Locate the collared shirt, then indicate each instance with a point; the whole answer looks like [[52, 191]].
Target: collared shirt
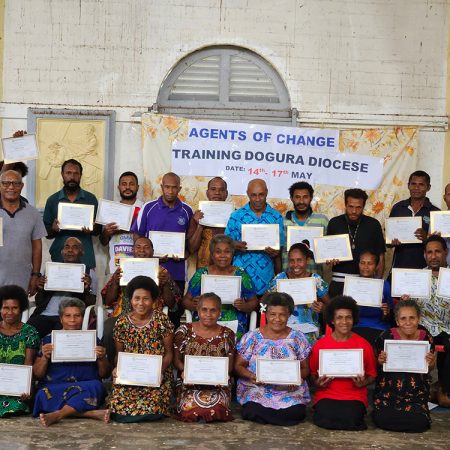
[[410, 256], [51, 213], [313, 220], [157, 216], [259, 264]]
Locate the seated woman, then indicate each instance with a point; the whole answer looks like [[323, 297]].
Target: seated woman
[[222, 252], [373, 320], [401, 399], [204, 338], [18, 342], [305, 318], [145, 330], [70, 388], [340, 403], [268, 403]]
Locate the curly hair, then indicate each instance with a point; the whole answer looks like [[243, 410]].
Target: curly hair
[[279, 299], [14, 292], [341, 302]]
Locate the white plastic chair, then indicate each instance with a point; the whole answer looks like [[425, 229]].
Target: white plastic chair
[[166, 310], [253, 318], [27, 313], [100, 313], [188, 316]]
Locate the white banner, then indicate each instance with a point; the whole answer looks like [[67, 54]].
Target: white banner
[[281, 155]]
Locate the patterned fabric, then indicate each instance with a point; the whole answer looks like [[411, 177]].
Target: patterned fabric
[[229, 312], [12, 351], [258, 264], [254, 345], [148, 339], [207, 402]]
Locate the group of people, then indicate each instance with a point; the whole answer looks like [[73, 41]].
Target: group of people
[[137, 323]]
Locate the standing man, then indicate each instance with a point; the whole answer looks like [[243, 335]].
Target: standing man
[[121, 242], [22, 233], [301, 194], [410, 256], [71, 172], [260, 265], [201, 235], [364, 233], [447, 202]]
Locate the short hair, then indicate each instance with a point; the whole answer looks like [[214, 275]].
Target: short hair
[[341, 302], [221, 239], [355, 193], [421, 174], [129, 174], [20, 167], [279, 299], [143, 282], [171, 174], [435, 238], [301, 185], [209, 295], [303, 247], [71, 302], [14, 292], [15, 172], [73, 162], [369, 251], [143, 237], [218, 178], [406, 304]]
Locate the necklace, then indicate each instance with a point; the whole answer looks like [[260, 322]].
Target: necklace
[[353, 236]]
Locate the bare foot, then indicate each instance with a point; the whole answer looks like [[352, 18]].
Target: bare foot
[[48, 419], [99, 414]]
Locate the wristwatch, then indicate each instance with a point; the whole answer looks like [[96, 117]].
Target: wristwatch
[[36, 274]]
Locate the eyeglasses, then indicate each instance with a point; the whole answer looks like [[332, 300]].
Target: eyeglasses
[[15, 184]]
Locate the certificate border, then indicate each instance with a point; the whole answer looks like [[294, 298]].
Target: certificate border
[[30, 375], [75, 205], [369, 280], [433, 215], [179, 255], [392, 219], [124, 260], [389, 342], [307, 279], [1, 231], [290, 228], [127, 382], [343, 236], [93, 333], [223, 382], [214, 225], [298, 382], [247, 226], [393, 284], [63, 288], [206, 275], [130, 214], [9, 161], [340, 375], [438, 288]]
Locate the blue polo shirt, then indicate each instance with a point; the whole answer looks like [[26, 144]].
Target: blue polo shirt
[[157, 216]]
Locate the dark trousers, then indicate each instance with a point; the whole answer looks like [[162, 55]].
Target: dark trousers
[[340, 414], [335, 288], [108, 339], [369, 334], [392, 420], [283, 417], [443, 361], [44, 324]]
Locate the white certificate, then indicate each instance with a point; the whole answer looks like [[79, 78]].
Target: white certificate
[[137, 369], [15, 379], [258, 237], [168, 243], [440, 222], [133, 267], [75, 216], [20, 149], [341, 363], [366, 291], [413, 282], [215, 214], [64, 277], [208, 370], [227, 287], [74, 345], [403, 229], [302, 290], [298, 234], [278, 371], [231, 324], [443, 287], [332, 247], [1, 231], [406, 356], [115, 212]]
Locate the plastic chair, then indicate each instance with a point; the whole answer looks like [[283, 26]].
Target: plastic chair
[[27, 313], [100, 313], [253, 319], [188, 316]]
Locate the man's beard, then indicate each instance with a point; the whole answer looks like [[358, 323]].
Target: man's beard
[[71, 186], [129, 196]]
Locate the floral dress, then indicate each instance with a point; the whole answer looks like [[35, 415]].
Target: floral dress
[[12, 351], [131, 401], [207, 402]]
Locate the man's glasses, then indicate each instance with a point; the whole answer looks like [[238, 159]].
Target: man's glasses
[[15, 184]]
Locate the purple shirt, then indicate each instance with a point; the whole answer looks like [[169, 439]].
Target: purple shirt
[[157, 216]]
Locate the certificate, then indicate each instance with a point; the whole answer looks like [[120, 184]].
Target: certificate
[[278, 371], [74, 345], [168, 243], [115, 212], [413, 282], [133, 267], [258, 237], [136, 369], [298, 234], [443, 286], [403, 229], [15, 379], [64, 277], [406, 356], [227, 287], [208, 370], [20, 148], [215, 214], [332, 247], [302, 290], [366, 291], [341, 363], [440, 222], [1, 231], [75, 216]]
